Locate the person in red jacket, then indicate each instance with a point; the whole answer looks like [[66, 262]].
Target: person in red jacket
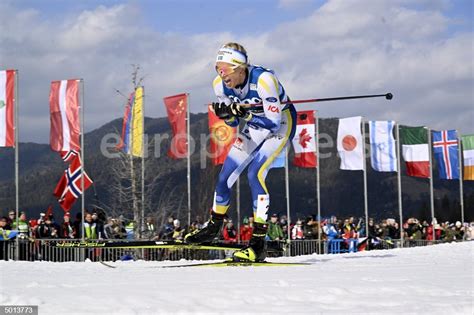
[[229, 233], [245, 232]]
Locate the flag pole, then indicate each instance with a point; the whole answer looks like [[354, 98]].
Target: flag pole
[[399, 182], [189, 159], [431, 184], [17, 196], [366, 202], [142, 225], [81, 81], [237, 197], [318, 191], [461, 188], [287, 192]]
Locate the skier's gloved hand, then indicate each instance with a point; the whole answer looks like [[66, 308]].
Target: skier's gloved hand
[[239, 111], [221, 110]]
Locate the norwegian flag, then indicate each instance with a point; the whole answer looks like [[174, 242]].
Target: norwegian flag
[[445, 146], [304, 141], [69, 187]]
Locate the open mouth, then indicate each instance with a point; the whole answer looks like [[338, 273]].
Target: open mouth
[[227, 81]]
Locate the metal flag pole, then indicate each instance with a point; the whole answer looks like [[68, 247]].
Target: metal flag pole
[[81, 104], [17, 196], [142, 225], [399, 182], [287, 192], [461, 188], [366, 202], [431, 184], [318, 190], [237, 201], [189, 159]]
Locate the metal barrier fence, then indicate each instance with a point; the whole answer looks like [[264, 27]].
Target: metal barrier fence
[[43, 249]]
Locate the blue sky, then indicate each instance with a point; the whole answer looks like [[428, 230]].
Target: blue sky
[[420, 50]]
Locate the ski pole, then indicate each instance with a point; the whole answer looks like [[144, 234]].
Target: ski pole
[[387, 96]]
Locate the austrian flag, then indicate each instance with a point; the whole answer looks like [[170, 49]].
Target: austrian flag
[[69, 187], [64, 110], [304, 141], [7, 114]]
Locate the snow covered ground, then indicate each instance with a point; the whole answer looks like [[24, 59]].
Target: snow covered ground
[[424, 280]]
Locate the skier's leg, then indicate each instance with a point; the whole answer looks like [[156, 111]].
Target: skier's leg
[[239, 156], [273, 146]]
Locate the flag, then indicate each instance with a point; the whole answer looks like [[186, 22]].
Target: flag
[[304, 142], [124, 144], [64, 110], [132, 126], [445, 147], [7, 110], [68, 156], [415, 151], [137, 123], [69, 187], [176, 107], [222, 137], [383, 157], [468, 153], [349, 143]]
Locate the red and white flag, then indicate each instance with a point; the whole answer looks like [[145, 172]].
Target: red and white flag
[[64, 110], [7, 113], [349, 143], [304, 141], [69, 187]]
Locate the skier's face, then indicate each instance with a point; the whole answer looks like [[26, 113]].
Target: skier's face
[[230, 74]]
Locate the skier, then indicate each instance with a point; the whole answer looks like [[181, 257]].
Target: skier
[[269, 125]]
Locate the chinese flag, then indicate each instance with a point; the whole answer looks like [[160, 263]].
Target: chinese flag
[[222, 137], [176, 107]]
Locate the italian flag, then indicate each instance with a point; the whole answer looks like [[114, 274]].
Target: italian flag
[[416, 150], [468, 154], [7, 114]]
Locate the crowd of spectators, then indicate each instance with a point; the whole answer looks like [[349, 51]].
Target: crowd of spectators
[[97, 226]]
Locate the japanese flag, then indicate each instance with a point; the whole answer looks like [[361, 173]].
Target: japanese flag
[[349, 143]]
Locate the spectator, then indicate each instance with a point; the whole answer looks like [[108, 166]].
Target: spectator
[[33, 225], [274, 232], [150, 229], [67, 229], [245, 232], [178, 231], [10, 219], [297, 232], [229, 233], [47, 229], [310, 228], [130, 230], [168, 229], [99, 225], [23, 230], [284, 226], [77, 225], [90, 227]]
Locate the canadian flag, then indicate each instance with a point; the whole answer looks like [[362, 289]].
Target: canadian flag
[[304, 141], [349, 143], [69, 187], [7, 114], [64, 110]]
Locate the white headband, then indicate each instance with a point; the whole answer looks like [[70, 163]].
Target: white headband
[[231, 56]]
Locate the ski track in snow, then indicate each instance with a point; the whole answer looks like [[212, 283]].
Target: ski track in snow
[[424, 280]]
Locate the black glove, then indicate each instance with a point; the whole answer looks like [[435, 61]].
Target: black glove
[[238, 111], [221, 110]]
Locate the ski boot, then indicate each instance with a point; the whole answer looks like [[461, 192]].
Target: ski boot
[[208, 233], [256, 251]]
